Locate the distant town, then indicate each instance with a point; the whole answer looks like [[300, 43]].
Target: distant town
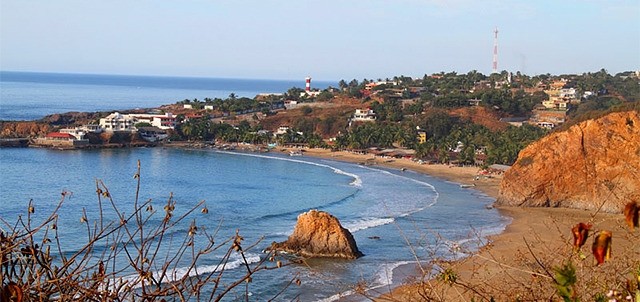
[[467, 118]]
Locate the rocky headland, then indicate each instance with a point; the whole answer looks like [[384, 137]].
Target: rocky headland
[[319, 234], [594, 165]]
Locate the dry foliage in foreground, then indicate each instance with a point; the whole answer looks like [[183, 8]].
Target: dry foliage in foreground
[[136, 257], [554, 266]]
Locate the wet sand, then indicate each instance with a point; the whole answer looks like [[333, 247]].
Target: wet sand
[[518, 262]]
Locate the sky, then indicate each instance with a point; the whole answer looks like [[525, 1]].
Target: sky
[[327, 40]]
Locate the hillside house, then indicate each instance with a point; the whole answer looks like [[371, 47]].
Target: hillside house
[[281, 130], [474, 102], [364, 115], [548, 118], [422, 137]]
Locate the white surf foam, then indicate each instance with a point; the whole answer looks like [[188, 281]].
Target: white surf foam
[[178, 273], [384, 277], [366, 223], [422, 183], [357, 181]]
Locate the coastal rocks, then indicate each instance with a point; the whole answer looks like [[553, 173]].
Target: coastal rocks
[[21, 129], [319, 234], [592, 165]]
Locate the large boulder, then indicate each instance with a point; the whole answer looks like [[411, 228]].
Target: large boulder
[[319, 234], [593, 165]]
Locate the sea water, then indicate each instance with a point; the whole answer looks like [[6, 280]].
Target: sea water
[[31, 95], [396, 217]]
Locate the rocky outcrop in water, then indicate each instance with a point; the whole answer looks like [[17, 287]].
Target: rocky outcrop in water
[[319, 234], [594, 164]]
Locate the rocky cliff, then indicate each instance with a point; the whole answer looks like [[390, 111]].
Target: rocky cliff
[[319, 234], [23, 129], [593, 164]]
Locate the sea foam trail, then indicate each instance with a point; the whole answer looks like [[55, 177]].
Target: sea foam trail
[[422, 183], [383, 277], [366, 223], [357, 181], [175, 274]]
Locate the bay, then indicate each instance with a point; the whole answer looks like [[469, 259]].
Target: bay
[[413, 215], [396, 217]]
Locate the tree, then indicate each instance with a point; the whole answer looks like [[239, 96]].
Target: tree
[[343, 84], [324, 96], [142, 124], [306, 110]]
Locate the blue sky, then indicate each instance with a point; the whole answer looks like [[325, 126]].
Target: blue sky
[[328, 40]]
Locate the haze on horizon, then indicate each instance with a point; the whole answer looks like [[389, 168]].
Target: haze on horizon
[[329, 40]]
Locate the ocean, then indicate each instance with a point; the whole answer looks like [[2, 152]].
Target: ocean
[[33, 95], [396, 217]]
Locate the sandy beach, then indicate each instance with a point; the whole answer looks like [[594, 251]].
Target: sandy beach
[[520, 262]]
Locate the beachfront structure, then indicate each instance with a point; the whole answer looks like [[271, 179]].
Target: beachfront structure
[[364, 115], [126, 122], [80, 131], [62, 140], [152, 134], [117, 122], [76, 132]]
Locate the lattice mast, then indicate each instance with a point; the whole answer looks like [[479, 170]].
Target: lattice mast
[[495, 51]]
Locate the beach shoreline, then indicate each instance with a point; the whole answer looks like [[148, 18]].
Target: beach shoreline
[[514, 261]]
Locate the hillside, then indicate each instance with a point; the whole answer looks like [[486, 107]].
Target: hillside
[[594, 164], [481, 116]]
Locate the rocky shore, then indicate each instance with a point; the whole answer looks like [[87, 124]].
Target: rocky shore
[[508, 265]]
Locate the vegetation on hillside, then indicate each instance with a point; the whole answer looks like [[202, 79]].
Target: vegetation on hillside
[[441, 104]]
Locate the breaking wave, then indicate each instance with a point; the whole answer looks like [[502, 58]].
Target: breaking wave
[[171, 275]]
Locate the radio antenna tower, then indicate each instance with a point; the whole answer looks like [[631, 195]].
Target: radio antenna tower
[[495, 51]]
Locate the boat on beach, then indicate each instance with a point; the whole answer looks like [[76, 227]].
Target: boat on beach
[[295, 153]]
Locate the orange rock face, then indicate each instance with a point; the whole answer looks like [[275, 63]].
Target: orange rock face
[[319, 234], [594, 164]]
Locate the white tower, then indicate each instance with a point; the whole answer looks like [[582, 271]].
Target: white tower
[[495, 51]]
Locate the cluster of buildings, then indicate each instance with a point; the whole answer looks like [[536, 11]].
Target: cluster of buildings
[[151, 127], [553, 111]]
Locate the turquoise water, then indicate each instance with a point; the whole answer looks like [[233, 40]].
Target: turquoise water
[[261, 195]]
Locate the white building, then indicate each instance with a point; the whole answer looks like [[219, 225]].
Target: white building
[[364, 115], [282, 130], [117, 122], [162, 121], [80, 131], [126, 122]]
